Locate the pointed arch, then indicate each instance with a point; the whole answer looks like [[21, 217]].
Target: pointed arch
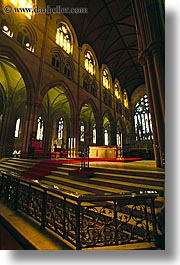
[[57, 58], [87, 48], [25, 34], [94, 108], [106, 78], [61, 83], [108, 128], [22, 68]]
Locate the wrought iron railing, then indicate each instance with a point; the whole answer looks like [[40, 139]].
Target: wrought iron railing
[[84, 220]]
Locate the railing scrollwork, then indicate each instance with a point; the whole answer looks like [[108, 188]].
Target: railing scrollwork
[[83, 220]]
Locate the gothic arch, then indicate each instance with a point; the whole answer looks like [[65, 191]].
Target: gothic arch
[[2, 96], [22, 68], [67, 92], [55, 20], [69, 61], [86, 47], [137, 94], [57, 50], [95, 110], [107, 114]]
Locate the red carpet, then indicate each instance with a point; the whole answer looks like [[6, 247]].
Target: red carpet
[[39, 170], [127, 159], [78, 160], [45, 167]]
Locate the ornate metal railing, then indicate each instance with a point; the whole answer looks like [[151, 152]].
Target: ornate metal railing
[[86, 220]]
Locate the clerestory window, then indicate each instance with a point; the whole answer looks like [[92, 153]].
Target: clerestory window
[[105, 79], [64, 38], [89, 63]]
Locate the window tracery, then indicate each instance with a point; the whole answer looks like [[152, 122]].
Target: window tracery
[[64, 38], [105, 79], [24, 38], [60, 129], [142, 120], [40, 129], [82, 130], [55, 61], [89, 63], [67, 70]]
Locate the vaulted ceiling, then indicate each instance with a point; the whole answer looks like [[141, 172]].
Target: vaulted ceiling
[[109, 28]]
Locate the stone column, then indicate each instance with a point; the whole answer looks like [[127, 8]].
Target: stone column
[[160, 74], [159, 121], [8, 125], [27, 127], [30, 128], [155, 138], [149, 23]]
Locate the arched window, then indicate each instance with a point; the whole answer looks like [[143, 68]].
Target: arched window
[[93, 89], [118, 139], [117, 91], [125, 99], [60, 129], [67, 71], [142, 120], [64, 38], [86, 84], [40, 129], [17, 128], [24, 4], [106, 137], [4, 26], [89, 63], [94, 134], [107, 97], [23, 37], [105, 79], [82, 129], [56, 61]]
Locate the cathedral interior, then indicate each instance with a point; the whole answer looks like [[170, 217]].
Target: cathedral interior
[[82, 111]]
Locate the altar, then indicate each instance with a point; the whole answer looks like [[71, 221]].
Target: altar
[[102, 151]]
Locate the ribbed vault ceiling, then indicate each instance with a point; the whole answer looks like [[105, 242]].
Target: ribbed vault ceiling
[[110, 29]]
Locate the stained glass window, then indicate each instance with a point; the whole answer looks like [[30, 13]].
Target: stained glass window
[[64, 38], [106, 136], [117, 91], [89, 63], [40, 129], [60, 129], [105, 79], [142, 120], [125, 99], [82, 127], [94, 134], [17, 128]]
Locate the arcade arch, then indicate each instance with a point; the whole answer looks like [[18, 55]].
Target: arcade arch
[[87, 127], [13, 96]]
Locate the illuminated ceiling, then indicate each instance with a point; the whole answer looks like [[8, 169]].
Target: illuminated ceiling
[[55, 100], [11, 79], [109, 28]]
